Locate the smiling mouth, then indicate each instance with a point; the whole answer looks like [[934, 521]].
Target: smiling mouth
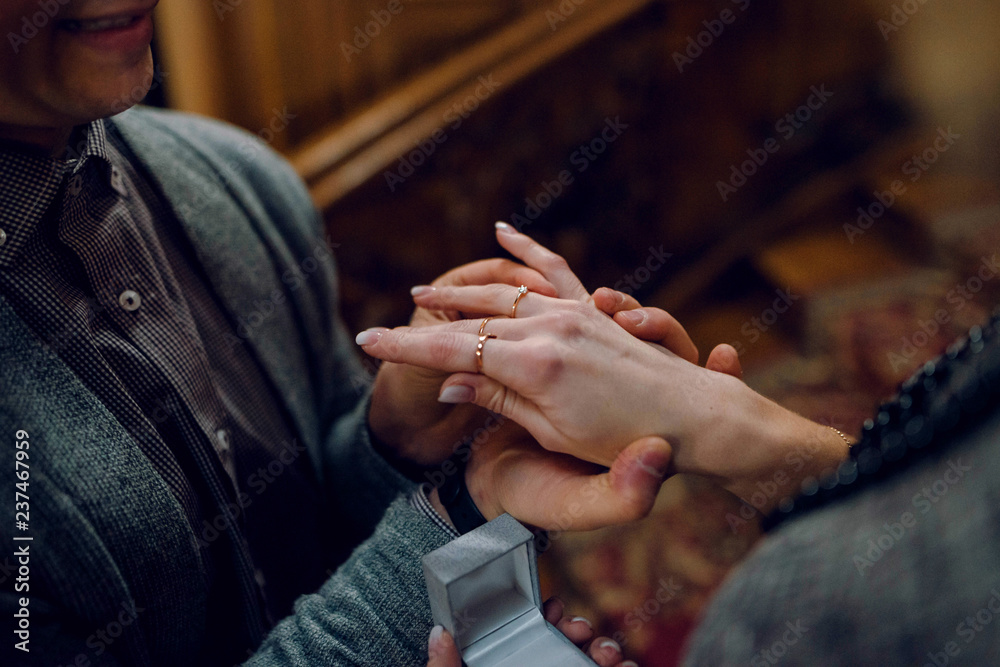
[[99, 25]]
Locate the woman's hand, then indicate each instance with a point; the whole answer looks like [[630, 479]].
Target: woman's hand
[[566, 372], [405, 413], [442, 651], [575, 378]]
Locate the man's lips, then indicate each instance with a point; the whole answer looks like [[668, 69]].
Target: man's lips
[[101, 24], [121, 33]]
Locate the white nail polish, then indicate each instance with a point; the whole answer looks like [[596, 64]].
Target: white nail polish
[[457, 394], [368, 337], [434, 641], [581, 619], [610, 643], [505, 228]]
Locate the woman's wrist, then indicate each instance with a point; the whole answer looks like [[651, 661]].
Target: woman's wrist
[[755, 448]]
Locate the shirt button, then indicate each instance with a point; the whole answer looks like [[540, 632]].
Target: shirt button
[[3, 237], [118, 182], [223, 437], [75, 185], [130, 300]]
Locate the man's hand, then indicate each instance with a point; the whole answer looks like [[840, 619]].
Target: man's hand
[[442, 651], [511, 474], [658, 326]]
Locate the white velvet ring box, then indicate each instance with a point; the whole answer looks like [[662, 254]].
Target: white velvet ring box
[[483, 589]]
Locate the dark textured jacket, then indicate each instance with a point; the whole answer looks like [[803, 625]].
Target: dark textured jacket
[[102, 522]]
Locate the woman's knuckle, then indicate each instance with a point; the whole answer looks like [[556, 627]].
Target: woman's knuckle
[[547, 363]]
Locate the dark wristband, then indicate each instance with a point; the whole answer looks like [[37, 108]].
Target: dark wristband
[[462, 510]]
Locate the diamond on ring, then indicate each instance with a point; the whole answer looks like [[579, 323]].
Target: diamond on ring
[[521, 291]]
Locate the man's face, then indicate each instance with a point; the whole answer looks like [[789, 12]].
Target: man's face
[[68, 62]]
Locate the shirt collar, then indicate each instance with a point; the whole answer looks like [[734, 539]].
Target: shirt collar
[[30, 181]]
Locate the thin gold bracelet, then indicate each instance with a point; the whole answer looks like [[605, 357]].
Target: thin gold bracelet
[[850, 445]]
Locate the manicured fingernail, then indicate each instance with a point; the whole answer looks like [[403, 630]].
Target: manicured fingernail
[[629, 663], [434, 643], [504, 228], [368, 337], [457, 393], [610, 643], [633, 317], [422, 290], [655, 463], [581, 619]]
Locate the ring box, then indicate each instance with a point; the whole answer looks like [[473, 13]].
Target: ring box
[[483, 589]]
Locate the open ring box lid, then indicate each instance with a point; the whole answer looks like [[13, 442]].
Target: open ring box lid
[[483, 589]]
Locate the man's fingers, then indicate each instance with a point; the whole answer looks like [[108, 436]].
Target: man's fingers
[[611, 301], [658, 326], [581, 501], [549, 264], [441, 649], [725, 359]]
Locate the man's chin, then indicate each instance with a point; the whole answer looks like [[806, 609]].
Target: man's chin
[[106, 98]]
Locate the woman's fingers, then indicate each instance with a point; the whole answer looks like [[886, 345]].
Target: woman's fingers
[[553, 609], [493, 299], [577, 629], [441, 649], [504, 271], [605, 652], [549, 264], [452, 348], [488, 393]]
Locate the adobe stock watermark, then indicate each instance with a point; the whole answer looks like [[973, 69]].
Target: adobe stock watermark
[[923, 502], [581, 159], [960, 295], [697, 44], [32, 23], [666, 592], [249, 150], [362, 39], [899, 17], [259, 482], [782, 482], [967, 630], [755, 327], [915, 168], [293, 279], [633, 281], [453, 118], [773, 654], [223, 7], [786, 127], [561, 13]]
